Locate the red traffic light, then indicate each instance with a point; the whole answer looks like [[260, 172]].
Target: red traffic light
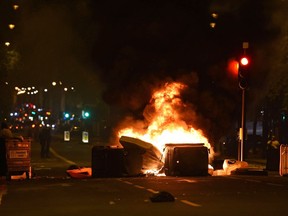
[[244, 61]]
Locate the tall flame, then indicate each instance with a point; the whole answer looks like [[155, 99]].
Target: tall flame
[[164, 124]]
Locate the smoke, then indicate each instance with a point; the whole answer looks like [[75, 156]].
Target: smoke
[[266, 33], [123, 51], [277, 63], [269, 72], [55, 46], [193, 107]]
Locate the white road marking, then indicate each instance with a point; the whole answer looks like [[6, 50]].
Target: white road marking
[[127, 182], [190, 203], [188, 180], [155, 192], [138, 186], [61, 157], [152, 191]]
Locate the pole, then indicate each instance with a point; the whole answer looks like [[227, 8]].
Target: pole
[[245, 46], [242, 125]]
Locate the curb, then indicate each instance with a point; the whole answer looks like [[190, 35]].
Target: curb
[[250, 171]]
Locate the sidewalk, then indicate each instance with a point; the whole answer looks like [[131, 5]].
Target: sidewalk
[[256, 166]]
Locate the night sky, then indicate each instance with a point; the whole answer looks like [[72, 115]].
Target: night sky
[[119, 51]]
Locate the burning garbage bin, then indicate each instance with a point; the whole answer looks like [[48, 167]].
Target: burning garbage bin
[[140, 156], [107, 161], [186, 160], [133, 161]]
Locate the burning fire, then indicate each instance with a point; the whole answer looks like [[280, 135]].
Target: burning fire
[[164, 123]]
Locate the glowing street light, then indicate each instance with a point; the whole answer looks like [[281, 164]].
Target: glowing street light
[[11, 26], [15, 7]]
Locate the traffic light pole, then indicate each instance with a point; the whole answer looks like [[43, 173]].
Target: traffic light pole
[[242, 131], [244, 62]]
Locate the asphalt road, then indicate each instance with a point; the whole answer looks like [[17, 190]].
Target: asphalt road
[[229, 195], [52, 192]]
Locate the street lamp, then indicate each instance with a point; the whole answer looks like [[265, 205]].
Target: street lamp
[[11, 26]]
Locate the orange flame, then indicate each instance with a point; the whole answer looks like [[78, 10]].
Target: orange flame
[[164, 122]]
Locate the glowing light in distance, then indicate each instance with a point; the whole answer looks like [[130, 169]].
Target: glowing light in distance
[[15, 7], [11, 26]]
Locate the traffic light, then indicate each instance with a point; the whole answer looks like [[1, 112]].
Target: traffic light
[[244, 61], [243, 71], [85, 114], [283, 115], [66, 115]]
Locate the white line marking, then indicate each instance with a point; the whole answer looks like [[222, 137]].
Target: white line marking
[[152, 191], [127, 182], [190, 203], [60, 157], [188, 180], [138, 186]]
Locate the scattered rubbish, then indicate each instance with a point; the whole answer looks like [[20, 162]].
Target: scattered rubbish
[[75, 171], [230, 165], [162, 196]]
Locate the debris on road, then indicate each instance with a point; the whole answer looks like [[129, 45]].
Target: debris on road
[[162, 196]]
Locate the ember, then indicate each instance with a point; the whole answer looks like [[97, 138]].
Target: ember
[[163, 121]]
